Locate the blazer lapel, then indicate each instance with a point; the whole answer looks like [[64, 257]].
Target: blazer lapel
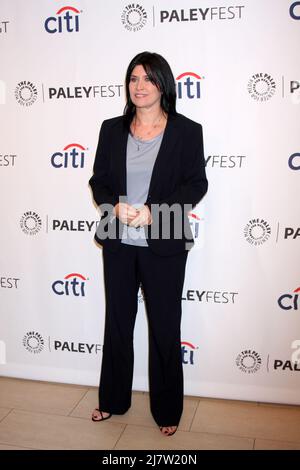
[[166, 148], [119, 154]]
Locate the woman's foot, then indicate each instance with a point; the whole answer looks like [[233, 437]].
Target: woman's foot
[[98, 415], [168, 430]]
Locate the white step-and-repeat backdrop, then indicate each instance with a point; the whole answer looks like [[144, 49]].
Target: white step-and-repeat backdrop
[[62, 69]]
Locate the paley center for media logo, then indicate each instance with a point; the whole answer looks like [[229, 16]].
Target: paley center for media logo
[[187, 353], [26, 93], [290, 301], [73, 155], [72, 285], [257, 231], [189, 85], [261, 87], [34, 343], [30, 223], [134, 17], [66, 20], [248, 361]]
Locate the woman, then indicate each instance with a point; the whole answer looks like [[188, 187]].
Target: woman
[[149, 171]]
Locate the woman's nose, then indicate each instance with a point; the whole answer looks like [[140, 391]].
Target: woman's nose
[[139, 85]]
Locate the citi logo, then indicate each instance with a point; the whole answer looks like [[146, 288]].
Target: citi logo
[[189, 85], [67, 19], [295, 10], [73, 156], [187, 352], [289, 301], [194, 220], [72, 284]]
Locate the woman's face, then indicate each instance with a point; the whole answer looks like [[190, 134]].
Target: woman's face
[[143, 93]]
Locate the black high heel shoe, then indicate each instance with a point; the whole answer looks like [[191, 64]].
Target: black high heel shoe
[[167, 433], [101, 414]]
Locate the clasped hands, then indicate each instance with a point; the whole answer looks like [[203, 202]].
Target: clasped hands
[[131, 216]]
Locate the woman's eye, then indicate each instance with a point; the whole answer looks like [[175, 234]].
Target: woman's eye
[[132, 79]]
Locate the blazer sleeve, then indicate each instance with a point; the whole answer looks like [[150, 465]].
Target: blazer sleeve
[[194, 183], [99, 182]]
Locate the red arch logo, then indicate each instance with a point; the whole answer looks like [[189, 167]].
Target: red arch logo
[[74, 145], [191, 74], [67, 8], [75, 275], [190, 345]]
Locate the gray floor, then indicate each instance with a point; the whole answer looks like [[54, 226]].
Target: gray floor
[[42, 415]]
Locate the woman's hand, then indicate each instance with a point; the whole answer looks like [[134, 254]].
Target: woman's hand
[[142, 218], [125, 212]]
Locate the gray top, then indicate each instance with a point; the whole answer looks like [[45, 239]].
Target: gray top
[[141, 156]]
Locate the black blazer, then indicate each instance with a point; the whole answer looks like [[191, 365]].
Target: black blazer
[[178, 177]]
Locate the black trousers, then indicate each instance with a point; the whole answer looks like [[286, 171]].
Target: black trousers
[[162, 278]]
